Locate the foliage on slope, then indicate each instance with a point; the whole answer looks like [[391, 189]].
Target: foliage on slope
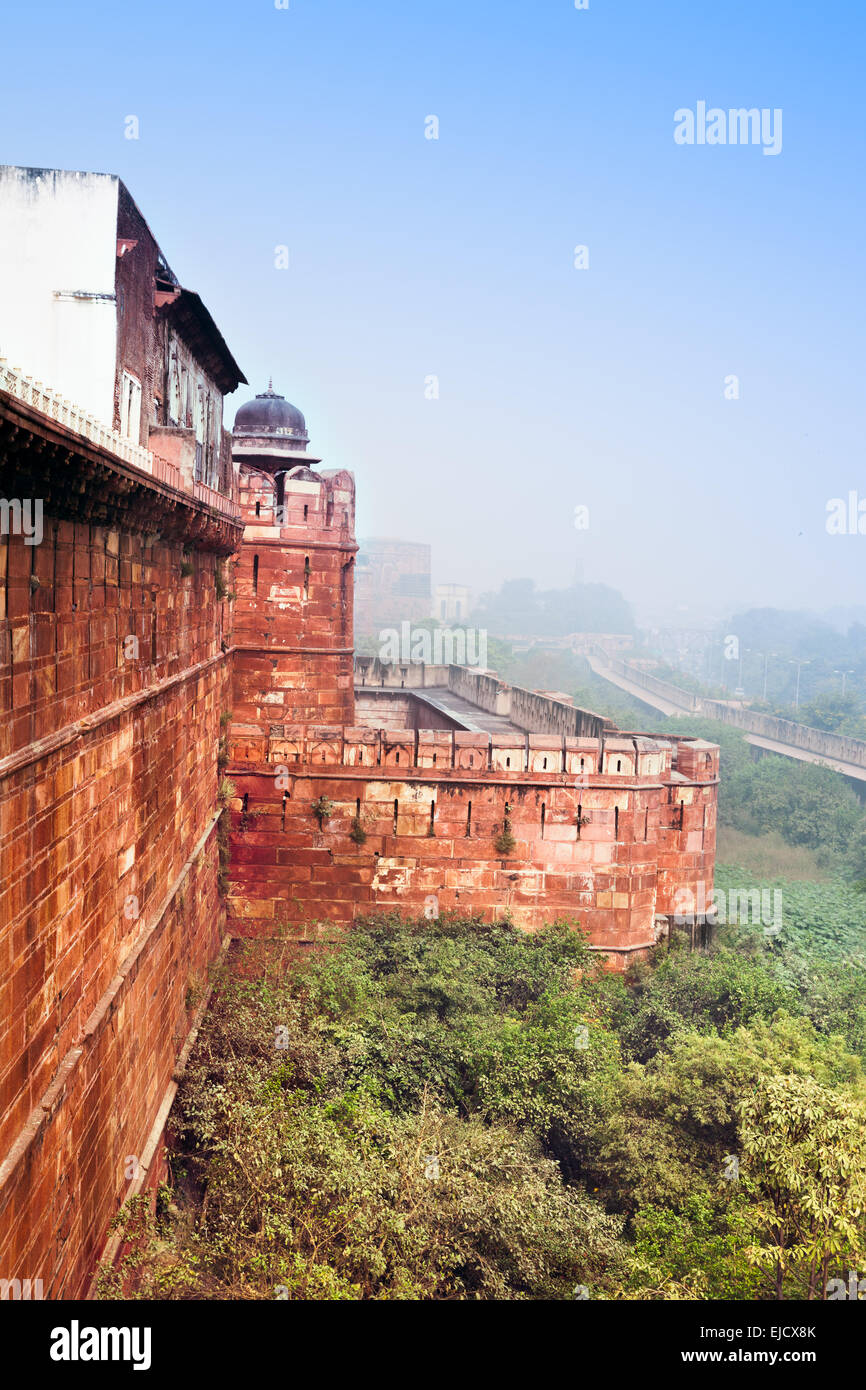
[[454, 1110]]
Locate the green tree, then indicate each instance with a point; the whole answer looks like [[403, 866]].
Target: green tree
[[804, 1154]]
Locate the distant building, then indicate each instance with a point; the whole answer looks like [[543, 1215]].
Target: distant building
[[452, 603], [392, 584], [92, 309]]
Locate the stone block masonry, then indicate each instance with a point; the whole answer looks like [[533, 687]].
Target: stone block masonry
[[605, 830], [293, 656], [114, 674], [492, 799]]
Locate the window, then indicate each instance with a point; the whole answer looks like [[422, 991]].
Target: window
[[174, 391], [130, 407]]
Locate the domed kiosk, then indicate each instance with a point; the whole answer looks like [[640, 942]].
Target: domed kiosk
[[271, 428]]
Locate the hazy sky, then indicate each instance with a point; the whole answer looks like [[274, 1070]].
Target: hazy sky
[[412, 257]]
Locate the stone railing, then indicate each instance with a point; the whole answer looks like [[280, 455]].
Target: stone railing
[[67, 414], [212, 498]]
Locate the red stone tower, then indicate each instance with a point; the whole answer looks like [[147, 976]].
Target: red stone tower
[[294, 574]]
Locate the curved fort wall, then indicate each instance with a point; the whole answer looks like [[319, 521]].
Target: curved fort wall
[[331, 820], [605, 830]]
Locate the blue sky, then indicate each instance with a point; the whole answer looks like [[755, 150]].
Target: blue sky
[[453, 257]]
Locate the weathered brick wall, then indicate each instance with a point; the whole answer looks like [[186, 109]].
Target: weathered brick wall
[[109, 912], [605, 831]]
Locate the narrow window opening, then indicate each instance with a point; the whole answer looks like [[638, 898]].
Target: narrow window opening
[[682, 809], [306, 576], [246, 802], [616, 822], [431, 830], [358, 807], [579, 819], [258, 509], [396, 811], [507, 762], [645, 823], [619, 764], [255, 574], [581, 764], [544, 765], [434, 759], [469, 819], [285, 800], [306, 509], [397, 759], [543, 814]]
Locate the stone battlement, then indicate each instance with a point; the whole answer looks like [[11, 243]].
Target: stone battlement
[[613, 759]]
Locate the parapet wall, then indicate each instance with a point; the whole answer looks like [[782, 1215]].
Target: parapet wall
[[414, 675], [331, 823], [527, 709]]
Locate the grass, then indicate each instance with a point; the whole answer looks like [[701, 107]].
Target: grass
[[767, 856]]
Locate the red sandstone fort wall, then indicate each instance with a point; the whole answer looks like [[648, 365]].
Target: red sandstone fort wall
[[605, 830], [293, 611], [109, 913]]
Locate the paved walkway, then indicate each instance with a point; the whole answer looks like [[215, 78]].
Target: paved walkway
[[466, 715]]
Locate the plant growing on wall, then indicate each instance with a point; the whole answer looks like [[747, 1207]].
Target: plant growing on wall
[[227, 792], [322, 809], [357, 832], [504, 842]]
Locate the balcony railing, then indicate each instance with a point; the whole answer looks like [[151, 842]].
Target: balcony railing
[[212, 498], [66, 413]]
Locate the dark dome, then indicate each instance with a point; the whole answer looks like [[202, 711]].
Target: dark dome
[[271, 414]]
